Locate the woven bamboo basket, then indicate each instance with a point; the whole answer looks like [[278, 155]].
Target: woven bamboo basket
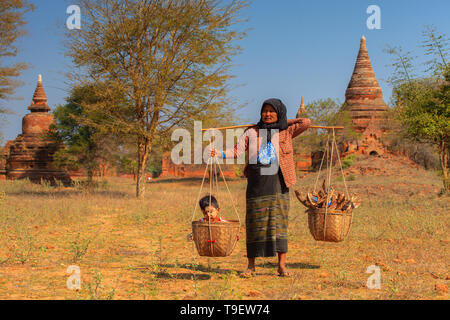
[[215, 239], [332, 227]]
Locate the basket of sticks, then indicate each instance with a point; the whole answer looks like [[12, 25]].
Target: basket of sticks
[[215, 239], [328, 223], [330, 213], [331, 226]]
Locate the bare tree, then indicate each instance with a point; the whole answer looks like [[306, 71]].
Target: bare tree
[[11, 28], [167, 60]]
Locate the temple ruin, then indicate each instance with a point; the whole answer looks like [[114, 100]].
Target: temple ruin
[[368, 111], [30, 155]]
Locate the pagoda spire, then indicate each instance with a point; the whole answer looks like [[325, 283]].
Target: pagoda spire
[[302, 110], [39, 103], [363, 96], [363, 76]]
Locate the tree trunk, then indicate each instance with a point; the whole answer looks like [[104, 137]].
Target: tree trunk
[[143, 152], [443, 155]]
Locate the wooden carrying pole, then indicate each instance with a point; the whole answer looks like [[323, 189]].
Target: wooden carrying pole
[[254, 125]]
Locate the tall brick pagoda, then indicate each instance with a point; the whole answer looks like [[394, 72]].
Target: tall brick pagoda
[[30, 155], [364, 101]]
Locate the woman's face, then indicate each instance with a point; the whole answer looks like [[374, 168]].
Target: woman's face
[[268, 114]]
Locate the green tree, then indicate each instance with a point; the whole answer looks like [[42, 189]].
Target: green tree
[[85, 145], [422, 104], [437, 46], [170, 59], [421, 152], [402, 64], [326, 112]]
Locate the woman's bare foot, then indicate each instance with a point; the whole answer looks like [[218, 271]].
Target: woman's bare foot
[[248, 273], [283, 272]]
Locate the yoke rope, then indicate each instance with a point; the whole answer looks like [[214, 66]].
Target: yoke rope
[[329, 186], [342, 171], [229, 192], [214, 178], [321, 164], [329, 168], [200, 192]]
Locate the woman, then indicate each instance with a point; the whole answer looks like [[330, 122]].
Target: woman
[[267, 195]]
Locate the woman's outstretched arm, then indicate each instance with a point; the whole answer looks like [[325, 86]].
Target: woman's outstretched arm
[[237, 151]]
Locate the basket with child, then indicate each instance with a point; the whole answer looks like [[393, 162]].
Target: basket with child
[[213, 235]]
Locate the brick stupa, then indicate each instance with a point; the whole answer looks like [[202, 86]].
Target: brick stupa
[[30, 155], [364, 101], [302, 155], [301, 113]]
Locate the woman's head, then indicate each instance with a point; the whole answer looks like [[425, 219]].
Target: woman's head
[[269, 114], [273, 116], [273, 111]]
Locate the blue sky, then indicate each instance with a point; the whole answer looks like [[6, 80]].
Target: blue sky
[[295, 48]]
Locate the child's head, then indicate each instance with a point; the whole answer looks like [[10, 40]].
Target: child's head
[[209, 206]]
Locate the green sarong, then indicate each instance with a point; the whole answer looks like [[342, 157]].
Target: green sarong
[[267, 208]]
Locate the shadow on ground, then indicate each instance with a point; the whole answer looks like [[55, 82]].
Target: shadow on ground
[[295, 265], [173, 275], [166, 274], [207, 269], [183, 276]]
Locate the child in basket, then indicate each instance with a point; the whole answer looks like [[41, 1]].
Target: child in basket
[[210, 209]]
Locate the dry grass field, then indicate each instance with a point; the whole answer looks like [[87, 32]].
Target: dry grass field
[[131, 249]]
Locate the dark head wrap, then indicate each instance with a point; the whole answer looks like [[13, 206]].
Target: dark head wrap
[[281, 124]]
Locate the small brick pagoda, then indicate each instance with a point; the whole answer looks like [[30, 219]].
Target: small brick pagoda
[[301, 113], [364, 101], [30, 155], [302, 154]]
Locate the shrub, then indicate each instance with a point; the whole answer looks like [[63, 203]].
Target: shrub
[[79, 247], [350, 177], [348, 161]]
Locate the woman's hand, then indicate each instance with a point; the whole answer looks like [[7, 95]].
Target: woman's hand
[[214, 153]]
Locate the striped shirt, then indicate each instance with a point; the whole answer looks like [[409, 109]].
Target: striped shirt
[[282, 143]]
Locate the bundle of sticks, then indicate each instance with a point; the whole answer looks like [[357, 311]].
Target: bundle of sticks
[[336, 200]]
